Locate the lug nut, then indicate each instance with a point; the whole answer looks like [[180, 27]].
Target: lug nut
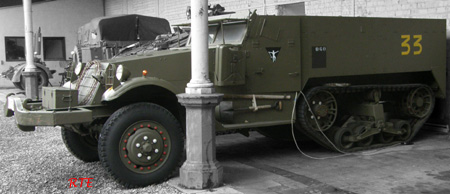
[[314, 102], [154, 141], [312, 117], [320, 102], [149, 157], [138, 145], [139, 155], [145, 137], [156, 151]]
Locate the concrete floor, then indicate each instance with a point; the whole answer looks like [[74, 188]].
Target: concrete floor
[[261, 165]]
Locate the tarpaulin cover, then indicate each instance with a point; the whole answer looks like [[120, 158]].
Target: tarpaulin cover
[[123, 28]]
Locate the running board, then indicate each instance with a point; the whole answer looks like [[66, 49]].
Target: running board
[[256, 124]]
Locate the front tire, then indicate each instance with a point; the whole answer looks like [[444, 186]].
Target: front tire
[[141, 144], [82, 147]]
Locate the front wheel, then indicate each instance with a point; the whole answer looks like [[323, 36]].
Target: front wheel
[[141, 144], [83, 147]]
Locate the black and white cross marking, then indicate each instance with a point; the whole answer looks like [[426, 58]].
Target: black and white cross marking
[[273, 52]]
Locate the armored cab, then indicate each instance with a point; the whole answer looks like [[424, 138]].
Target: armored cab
[[103, 37], [347, 83]]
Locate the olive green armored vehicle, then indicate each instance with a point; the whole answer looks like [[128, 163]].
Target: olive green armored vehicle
[[349, 84]]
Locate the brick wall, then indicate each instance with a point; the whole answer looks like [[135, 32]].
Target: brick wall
[[381, 8], [175, 10]]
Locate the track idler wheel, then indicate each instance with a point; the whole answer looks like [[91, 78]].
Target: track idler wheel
[[342, 138]]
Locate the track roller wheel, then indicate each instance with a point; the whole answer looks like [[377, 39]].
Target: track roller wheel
[[366, 141], [405, 127], [341, 138], [385, 137]]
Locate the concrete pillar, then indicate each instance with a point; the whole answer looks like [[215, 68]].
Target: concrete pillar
[[201, 169], [30, 74], [199, 45]]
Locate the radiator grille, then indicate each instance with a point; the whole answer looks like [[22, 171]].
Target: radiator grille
[[86, 84]]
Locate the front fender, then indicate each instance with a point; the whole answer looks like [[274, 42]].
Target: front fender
[[20, 69], [114, 93]]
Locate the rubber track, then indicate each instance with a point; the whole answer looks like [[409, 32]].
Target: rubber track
[[318, 137]]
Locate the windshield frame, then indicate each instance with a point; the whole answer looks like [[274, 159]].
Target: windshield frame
[[220, 25]]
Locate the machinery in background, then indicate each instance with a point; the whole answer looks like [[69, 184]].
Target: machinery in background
[[15, 73]]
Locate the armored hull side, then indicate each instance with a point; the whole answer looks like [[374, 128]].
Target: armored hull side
[[373, 51]]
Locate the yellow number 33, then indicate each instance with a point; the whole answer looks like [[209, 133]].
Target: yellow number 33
[[406, 45]]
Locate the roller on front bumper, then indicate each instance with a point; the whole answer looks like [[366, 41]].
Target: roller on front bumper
[[29, 114]]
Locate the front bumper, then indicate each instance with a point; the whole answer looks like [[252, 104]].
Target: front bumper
[[28, 114]]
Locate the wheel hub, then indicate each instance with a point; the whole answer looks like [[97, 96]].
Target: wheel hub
[[140, 147], [419, 102], [144, 146], [147, 147], [321, 110]]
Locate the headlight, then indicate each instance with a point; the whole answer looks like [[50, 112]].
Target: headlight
[[78, 68], [122, 73]]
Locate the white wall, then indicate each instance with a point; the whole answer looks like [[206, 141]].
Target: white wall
[[59, 18]]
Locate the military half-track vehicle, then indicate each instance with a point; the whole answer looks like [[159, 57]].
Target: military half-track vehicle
[[349, 84]]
